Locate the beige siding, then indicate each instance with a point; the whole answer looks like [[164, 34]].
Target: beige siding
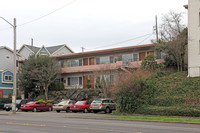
[[62, 51], [25, 52], [193, 38]]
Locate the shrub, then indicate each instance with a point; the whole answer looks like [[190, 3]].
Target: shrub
[[46, 101], [192, 111], [57, 87], [88, 84], [5, 100], [9, 95], [129, 91]]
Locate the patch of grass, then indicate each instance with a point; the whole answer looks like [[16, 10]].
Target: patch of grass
[[182, 120]]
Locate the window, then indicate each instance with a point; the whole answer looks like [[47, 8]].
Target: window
[[88, 103], [160, 55], [72, 81], [73, 63], [8, 78], [120, 58], [62, 63], [104, 60], [135, 57], [127, 58]]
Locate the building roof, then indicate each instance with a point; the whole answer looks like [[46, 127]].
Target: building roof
[[54, 48], [106, 51], [4, 47], [33, 48]]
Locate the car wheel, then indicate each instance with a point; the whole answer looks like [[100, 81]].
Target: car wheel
[[34, 109], [85, 110], [17, 109], [49, 109], [74, 111], [107, 110], [58, 111], [7, 109], [68, 109]]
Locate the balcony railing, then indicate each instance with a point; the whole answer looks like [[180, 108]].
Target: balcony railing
[[103, 67]]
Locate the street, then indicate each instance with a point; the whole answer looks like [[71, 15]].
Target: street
[[52, 122]]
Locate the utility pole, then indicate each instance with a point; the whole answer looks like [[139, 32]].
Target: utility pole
[[156, 29], [14, 61], [82, 49]]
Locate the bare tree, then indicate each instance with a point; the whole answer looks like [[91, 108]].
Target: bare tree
[[173, 39]]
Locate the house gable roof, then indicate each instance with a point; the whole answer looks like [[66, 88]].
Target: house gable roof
[[4, 47], [32, 49], [54, 48], [43, 48]]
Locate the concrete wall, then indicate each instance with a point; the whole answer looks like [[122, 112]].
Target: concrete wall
[[193, 38]]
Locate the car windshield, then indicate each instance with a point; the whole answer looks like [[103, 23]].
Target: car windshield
[[80, 102], [30, 102], [63, 102], [18, 101], [97, 101]]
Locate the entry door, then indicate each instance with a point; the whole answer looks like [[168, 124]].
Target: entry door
[[85, 61], [1, 93], [91, 60], [142, 55], [85, 78]]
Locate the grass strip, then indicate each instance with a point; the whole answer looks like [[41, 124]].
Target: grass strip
[[183, 120]]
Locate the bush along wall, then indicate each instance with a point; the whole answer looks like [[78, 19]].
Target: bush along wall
[[161, 94]]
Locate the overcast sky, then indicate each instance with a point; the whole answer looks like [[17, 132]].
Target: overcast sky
[[92, 24]]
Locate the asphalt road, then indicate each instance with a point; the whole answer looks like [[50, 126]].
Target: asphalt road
[[52, 122]]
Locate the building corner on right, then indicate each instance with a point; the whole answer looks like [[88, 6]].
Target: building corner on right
[[193, 38]]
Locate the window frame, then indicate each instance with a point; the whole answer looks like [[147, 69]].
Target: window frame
[[10, 78]]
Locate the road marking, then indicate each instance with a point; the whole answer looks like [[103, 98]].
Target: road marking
[[85, 128]]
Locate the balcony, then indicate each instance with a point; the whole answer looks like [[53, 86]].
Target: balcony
[[103, 67]]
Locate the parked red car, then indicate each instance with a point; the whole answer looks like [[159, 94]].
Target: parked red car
[[81, 106], [35, 106]]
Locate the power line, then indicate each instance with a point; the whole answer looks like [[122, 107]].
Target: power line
[[43, 15], [48, 13], [124, 41], [144, 39]]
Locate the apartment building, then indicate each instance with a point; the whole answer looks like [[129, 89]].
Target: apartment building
[[193, 37], [78, 68], [6, 70]]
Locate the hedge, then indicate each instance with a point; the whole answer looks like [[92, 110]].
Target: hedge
[[191, 111]]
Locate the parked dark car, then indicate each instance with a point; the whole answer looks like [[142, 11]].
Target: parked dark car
[[19, 102], [4, 101], [81, 106], [35, 106]]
